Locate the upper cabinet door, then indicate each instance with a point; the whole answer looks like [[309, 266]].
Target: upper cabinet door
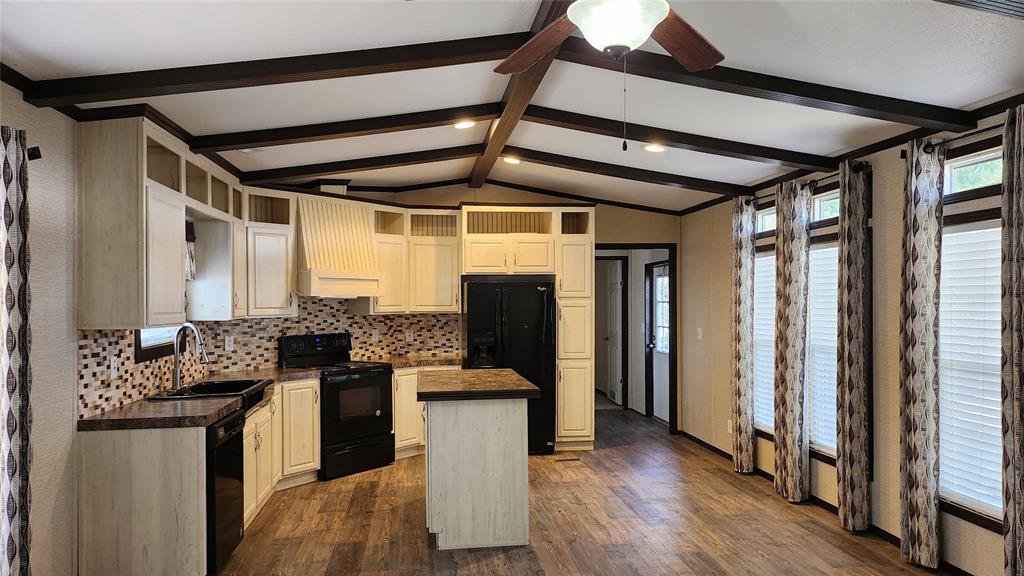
[[165, 256], [393, 262], [485, 254], [575, 329], [239, 270], [433, 274], [270, 270], [575, 264], [533, 255]]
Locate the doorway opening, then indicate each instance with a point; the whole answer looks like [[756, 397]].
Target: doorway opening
[[648, 345]]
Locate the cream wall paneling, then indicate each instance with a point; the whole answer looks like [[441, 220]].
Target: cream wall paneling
[[575, 401], [119, 162], [300, 401], [146, 507]]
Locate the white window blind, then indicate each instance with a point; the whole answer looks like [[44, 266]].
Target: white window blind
[[764, 340], [822, 328], [970, 454]]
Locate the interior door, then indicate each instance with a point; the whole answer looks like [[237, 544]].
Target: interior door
[[601, 311], [613, 339]]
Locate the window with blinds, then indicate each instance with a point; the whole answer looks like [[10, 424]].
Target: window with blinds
[[820, 358], [662, 320], [764, 341], [970, 454]]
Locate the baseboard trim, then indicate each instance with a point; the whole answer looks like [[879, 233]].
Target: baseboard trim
[[408, 451], [573, 445], [706, 445], [296, 480]]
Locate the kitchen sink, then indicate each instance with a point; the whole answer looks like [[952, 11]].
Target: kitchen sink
[[251, 391]]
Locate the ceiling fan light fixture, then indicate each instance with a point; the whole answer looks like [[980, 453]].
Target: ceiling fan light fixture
[[656, 148], [463, 124], [510, 160], [617, 26]]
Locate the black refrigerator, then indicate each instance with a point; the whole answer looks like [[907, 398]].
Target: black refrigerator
[[509, 322]]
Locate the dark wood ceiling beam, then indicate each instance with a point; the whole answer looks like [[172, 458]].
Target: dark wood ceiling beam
[[517, 96], [682, 140], [343, 129], [409, 187], [775, 88], [1010, 8], [371, 163], [224, 76], [627, 172]]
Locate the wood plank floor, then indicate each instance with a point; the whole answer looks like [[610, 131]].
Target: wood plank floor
[[641, 503]]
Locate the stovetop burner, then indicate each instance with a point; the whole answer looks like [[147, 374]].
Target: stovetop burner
[[331, 352]]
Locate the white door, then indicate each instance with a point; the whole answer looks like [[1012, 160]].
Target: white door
[[301, 424], [265, 454], [239, 270], [433, 274], [270, 270], [250, 473], [613, 344], [575, 266], [662, 328], [485, 253], [601, 271], [408, 422], [575, 400], [575, 329], [391, 257], [532, 255], [165, 256]]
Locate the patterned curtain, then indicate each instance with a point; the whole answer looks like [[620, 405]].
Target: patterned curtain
[[853, 449], [792, 256], [16, 414], [743, 334], [1013, 342], [919, 354]]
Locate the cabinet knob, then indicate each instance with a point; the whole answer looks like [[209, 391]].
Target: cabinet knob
[[377, 413]]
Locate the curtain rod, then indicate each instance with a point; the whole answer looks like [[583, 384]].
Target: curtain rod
[[930, 147]]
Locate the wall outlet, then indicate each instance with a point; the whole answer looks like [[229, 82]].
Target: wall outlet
[[410, 336], [229, 343], [700, 333], [114, 363], [375, 335], [728, 426]]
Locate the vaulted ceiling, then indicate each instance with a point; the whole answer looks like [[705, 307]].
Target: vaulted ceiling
[[803, 83]]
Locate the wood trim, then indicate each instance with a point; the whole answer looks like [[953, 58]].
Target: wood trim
[[764, 434], [371, 163], [825, 223], [757, 85], [1008, 9], [344, 129], [518, 93], [681, 140], [973, 194], [408, 187], [589, 199], [976, 146], [970, 217], [624, 328], [977, 518], [828, 506], [998, 107], [703, 205], [705, 445], [627, 172], [154, 352], [109, 87]]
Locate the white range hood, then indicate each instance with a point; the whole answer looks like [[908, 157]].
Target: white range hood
[[336, 256]]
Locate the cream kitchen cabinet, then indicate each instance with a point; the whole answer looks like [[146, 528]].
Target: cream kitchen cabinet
[[574, 260], [433, 274], [502, 253], [575, 329], [239, 270], [277, 434], [269, 263], [258, 454], [300, 403], [165, 255], [574, 395], [408, 413], [531, 255], [485, 254], [393, 260]]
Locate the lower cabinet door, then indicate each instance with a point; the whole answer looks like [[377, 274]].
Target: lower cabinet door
[[575, 399], [265, 456], [276, 435], [408, 422], [301, 423], [250, 473]]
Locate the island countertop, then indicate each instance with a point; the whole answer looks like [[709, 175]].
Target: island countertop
[[475, 384]]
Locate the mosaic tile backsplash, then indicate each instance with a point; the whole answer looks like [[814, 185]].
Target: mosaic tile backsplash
[[255, 348]]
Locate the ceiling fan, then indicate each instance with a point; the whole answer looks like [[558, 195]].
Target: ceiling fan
[[617, 27]]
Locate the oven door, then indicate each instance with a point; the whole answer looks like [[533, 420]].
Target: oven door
[[355, 407]]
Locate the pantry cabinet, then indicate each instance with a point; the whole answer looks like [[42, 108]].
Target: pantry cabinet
[[575, 329], [575, 263], [300, 401], [575, 393]]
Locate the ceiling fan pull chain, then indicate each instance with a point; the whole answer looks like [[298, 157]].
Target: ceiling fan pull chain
[[624, 145]]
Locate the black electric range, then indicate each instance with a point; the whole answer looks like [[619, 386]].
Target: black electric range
[[356, 407]]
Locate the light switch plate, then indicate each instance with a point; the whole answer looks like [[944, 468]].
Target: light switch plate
[[375, 335], [410, 336], [114, 363], [700, 333], [229, 343]]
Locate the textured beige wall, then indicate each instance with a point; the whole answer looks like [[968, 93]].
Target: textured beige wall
[[51, 241], [706, 402]]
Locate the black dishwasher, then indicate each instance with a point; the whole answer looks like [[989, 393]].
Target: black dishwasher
[[224, 490]]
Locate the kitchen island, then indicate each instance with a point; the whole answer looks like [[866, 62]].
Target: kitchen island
[[476, 459]]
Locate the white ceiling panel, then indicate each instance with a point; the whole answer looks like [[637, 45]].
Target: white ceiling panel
[[918, 50], [416, 174], [609, 150], [329, 100], [598, 92], [359, 147], [75, 38], [599, 186]]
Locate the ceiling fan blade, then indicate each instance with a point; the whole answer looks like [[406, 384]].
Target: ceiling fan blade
[[685, 44], [537, 47]]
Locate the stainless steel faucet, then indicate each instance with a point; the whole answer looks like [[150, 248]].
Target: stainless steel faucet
[[177, 353]]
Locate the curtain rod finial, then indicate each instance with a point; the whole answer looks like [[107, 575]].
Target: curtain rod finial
[[34, 153]]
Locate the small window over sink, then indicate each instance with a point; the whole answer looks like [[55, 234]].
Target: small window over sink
[[153, 343]]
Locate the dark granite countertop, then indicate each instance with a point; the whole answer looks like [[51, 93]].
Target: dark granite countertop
[[191, 413], [473, 385], [400, 361], [276, 374]]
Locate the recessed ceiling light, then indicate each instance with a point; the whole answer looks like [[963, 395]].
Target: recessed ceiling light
[[464, 124], [654, 148], [250, 150], [510, 160]]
